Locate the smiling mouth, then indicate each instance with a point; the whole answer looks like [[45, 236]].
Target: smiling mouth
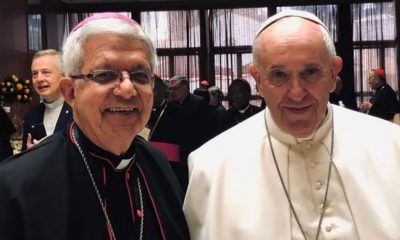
[[120, 110]]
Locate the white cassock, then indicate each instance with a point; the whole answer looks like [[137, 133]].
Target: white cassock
[[235, 192]]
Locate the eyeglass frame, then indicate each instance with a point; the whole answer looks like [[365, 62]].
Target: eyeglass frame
[[119, 76]]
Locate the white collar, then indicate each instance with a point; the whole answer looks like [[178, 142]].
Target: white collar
[[241, 111], [55, 103]]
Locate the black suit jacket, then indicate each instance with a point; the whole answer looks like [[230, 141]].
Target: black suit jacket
[[173, 128], [33, 122], [232, 117], [195, 122], [6, 130], [384, 103]]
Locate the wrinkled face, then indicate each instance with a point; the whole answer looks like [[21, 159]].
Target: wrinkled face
[[177, 91], [116, 111], [295, 75], [46, 75]]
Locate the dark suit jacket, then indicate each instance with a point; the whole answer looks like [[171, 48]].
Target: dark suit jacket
[[39, 193], [6, 130], [232, 117], [172, 128], [169, 127], [33, 122], [384, 103], [195, 121]]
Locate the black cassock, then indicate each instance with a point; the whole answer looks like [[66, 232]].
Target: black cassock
[[46, 193]]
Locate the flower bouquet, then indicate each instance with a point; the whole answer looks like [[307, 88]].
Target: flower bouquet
[[15, 89]]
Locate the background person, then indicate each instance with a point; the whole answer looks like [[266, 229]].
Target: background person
[[336, 96], [97, 179], [384, 102], [52, 114], [239, 94], [303, 168], [167, 129]]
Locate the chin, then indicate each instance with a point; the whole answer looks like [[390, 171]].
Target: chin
[[300, 129]]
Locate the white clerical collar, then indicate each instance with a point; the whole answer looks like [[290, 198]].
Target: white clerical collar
[[318, 135], [55, 103], [244, 110], [124, 163]]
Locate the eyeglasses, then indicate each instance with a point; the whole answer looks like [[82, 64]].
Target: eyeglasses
[[109, 76]]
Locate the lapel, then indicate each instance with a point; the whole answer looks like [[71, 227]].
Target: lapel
[[64, 118], [35, 122]]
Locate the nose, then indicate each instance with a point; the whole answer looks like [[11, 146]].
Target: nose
[[40, 76], [296, 89], [126, 88]]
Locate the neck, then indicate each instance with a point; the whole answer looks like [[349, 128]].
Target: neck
[[50, 99], [379, 86], [116, 145]]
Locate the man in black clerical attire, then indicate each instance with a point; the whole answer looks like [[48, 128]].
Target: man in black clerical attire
[[6, 130], [384, 102], [97, 179], [239, 94], [167, 129], [195, 110]]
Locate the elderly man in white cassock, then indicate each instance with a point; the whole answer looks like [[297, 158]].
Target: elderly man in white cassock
[[303, 168]]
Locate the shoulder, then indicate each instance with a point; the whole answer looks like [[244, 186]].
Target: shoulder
[[33, 162], [156, 165], [143, 146], [36, 110], [150, 156], [241, 141], [363, 127], [198, 100]]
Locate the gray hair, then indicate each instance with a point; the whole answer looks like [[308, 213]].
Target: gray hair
[[51, 52], [73, 46], [326, 35], [216, 92]]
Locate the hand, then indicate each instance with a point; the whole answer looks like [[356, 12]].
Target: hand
[[365, 106], [32, 142]]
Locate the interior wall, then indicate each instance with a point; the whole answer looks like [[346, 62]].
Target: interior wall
[[14, 50]]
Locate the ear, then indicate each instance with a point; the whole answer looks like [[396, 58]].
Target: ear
[[67, 89], [337, 67], [254, 73], [338, 64]]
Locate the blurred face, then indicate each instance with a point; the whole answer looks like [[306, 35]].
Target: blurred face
[[112, 113], [177, 91], [295, 75], [46, 75], [373, 80], [238, 97], [213, 100]]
